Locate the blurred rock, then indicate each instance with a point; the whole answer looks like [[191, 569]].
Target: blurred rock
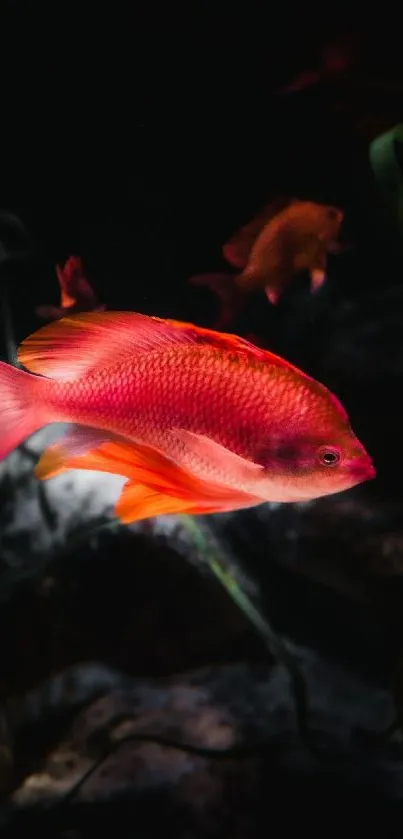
[[28, 532], [240, 705]]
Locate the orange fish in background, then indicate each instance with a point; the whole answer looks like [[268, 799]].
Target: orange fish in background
[[76, 294], [272, 249], [237, 250], [197, 421]]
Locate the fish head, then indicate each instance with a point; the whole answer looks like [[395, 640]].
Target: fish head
[[313, 452], [331, 219]]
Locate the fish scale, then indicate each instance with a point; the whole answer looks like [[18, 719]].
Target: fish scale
[[196, 420], [199, 391]]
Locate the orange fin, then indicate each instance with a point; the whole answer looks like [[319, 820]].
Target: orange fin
[[75, 289], [66, 302], [71, 347], [67, 277], [317, 278], [76, 442], [137, 502], [66, 299], [152, 477], [51, 463], [76, 293]]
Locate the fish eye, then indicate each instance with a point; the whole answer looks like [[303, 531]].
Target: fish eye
[[329, 456]]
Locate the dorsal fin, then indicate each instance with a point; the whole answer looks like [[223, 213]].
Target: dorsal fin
[[82, 342], [75, 345], [232, 343]]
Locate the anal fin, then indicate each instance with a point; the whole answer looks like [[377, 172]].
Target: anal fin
[[77, 441], [156, 484], [138, 502]]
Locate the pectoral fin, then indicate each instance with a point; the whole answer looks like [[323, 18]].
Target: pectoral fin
[[221, 462], [272, 295]]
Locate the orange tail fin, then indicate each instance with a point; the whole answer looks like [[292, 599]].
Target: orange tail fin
[[19, 414]]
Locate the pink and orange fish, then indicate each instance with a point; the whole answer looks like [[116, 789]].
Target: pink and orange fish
[[76, 294], [284, 240], [197, 421]]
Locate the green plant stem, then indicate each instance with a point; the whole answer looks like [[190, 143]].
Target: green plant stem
[[216, 561]]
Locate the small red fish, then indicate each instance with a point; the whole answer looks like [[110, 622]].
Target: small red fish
[[336, 60], [197, 421], [272, 249], [76, 294]]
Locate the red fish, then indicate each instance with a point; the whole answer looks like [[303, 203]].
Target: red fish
[[76, 294], [336, 61], [197, 421], [273, 248]]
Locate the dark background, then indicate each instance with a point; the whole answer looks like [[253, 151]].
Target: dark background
[[139, 136]]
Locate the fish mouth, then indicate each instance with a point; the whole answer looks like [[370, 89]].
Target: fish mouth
[[363, 470]]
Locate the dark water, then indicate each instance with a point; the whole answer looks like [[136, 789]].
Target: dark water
[[141, 144]]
